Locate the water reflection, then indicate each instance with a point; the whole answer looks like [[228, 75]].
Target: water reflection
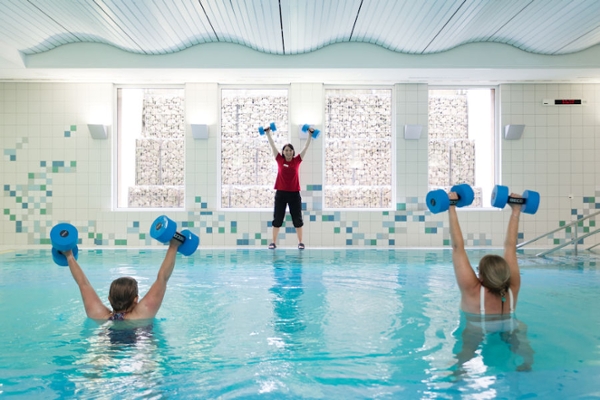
[[288, 291], [123, 359], [483, 342]]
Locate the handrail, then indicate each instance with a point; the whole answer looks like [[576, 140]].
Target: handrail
[[557, 229], [567, 243]]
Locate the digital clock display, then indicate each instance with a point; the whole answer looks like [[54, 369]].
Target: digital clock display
[[567, 101]]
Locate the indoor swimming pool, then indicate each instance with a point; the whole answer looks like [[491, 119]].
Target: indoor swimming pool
[[319, 323]]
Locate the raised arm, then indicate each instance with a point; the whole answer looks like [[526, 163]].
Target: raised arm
[[94, 308], [150, 304], [308, 140], [271, 142], [510, 245], [465, 276]]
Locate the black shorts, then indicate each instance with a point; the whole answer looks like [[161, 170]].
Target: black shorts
[[294, 201]]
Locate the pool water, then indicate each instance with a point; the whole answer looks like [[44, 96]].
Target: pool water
[[323, 324]]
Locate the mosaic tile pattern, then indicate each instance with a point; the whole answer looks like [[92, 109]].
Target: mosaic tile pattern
[[70, 131], [11, 154]]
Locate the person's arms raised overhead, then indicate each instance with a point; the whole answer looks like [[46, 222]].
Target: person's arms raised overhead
[[271, 143], [150, 304], [465, 276], [308, 140], [94, 308], [510, 245]]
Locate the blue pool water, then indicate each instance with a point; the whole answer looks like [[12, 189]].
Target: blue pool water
[[323, 324]]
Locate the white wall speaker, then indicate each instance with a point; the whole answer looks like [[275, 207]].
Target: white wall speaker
[[513, 132], [199, 131], [412, 132], [98, 132]]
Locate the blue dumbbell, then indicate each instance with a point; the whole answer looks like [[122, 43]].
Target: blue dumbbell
[[313, 132], [530, 200], [63, 237], [271, 128], [438, 200], [164, 229]]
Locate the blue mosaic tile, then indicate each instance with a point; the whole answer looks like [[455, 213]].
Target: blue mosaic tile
[[392, 242], [313, 218], [136, 224], [209, 229], [242, 242], [400, 218]]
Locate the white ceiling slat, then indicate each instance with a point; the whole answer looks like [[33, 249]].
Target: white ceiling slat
[[151, 31], [272, 25], [408, 26], [240, 25], [289, 9], [29, 27], [257, 29], [90, 24], [578, 20], [120, 18], [200, 27]]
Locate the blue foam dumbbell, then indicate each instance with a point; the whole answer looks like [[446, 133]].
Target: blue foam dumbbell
[[271, 128], [313, 132], [530, 200], [164, 229], [438, 200], [63, 237]]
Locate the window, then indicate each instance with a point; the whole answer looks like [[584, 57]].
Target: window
[[150, 147], [248, 168], [358, 148], [462, 146]]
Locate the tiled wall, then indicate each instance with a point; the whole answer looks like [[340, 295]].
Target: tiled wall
[[53, 171]]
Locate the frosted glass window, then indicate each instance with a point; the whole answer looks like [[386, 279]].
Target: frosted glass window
[[358, 148], [462, 141], [150, 148], [248, 168]]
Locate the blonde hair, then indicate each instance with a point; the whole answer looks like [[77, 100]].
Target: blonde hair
[[122, 293], [494, 272]]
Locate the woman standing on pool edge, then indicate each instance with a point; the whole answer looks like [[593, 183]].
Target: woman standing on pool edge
[[287, 187], [123, 294], [490, 299]]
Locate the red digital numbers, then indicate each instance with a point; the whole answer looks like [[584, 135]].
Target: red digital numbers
[[567, 101]]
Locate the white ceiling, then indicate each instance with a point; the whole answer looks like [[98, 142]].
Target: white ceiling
[[245, 41]]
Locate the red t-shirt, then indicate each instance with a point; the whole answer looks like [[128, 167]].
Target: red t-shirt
[[287, 174]]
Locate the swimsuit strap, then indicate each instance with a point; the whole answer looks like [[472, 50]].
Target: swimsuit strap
[[511, 300], [482, 300]]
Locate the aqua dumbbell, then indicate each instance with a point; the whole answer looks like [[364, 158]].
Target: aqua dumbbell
[[64, 237], [271, 127], [309, 129], [164, 229], [530, 200], [438, 200]]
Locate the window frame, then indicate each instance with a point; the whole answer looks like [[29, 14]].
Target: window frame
[[115, 144], [393, 144], [497, 140], [287, 88]]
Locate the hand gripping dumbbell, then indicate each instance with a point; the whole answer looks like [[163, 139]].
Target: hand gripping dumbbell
[[263, 130], [64, 237], [438, 200], [313, 132], [530, 199], [164, 229]]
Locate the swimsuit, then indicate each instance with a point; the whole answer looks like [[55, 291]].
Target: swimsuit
[[495, 322], [117, 316]]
